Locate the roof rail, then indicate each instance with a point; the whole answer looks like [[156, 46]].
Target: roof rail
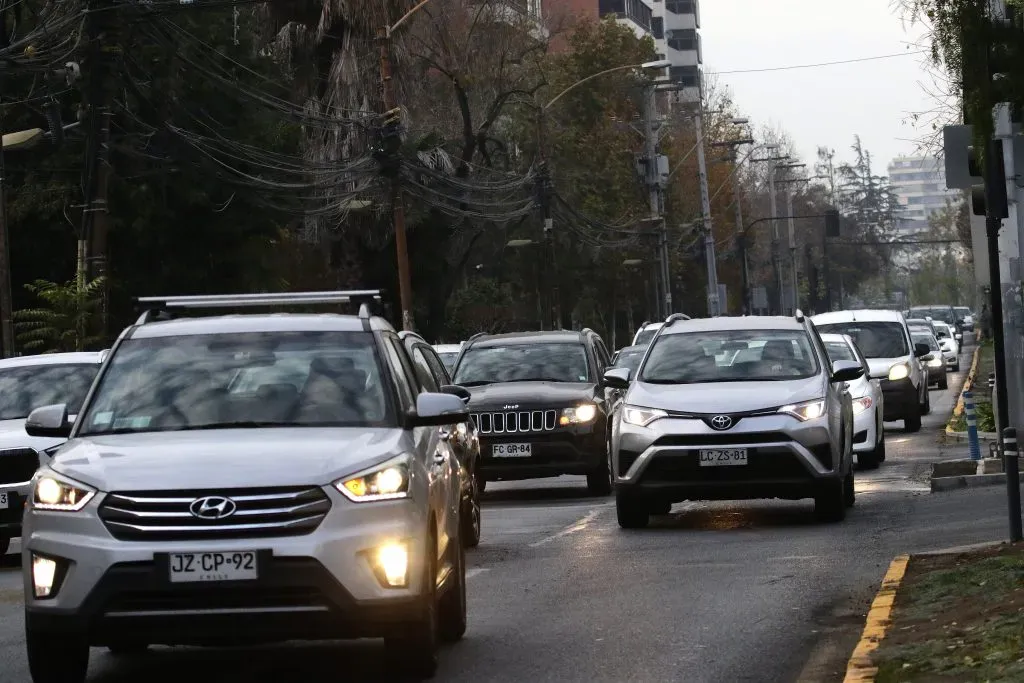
[[676, 317], [645, 324], [799, 315], [159, 307], [587, 330], [476, 336]]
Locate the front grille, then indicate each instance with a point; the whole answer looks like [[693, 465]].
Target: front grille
[[203, 598], [516, 422], [722, 439], [166, 516], [18, 465], [762, 465]]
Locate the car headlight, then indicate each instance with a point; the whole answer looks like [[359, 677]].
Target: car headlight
[[641, 417], [808, 410], [578, 415], [862, 404], [898, 372], [387, 481], [61, 495]]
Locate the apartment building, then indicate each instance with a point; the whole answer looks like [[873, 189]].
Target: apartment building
[[920, 183]]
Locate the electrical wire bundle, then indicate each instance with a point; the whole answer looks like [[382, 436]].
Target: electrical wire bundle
[[592, 232], [498, 199], [52, 40]]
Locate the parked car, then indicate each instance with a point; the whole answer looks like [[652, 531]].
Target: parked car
[[246, 479], [540, 405], [884, 339], [935, 362], [448, 353], [27, 383], [867, 400], [776, 422]]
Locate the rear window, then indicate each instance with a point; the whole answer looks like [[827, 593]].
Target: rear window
[[645, 336], [943, 313], [629, 359], [840, 351], [874, 339]]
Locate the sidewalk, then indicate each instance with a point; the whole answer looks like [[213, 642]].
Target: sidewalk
[[957, 616]]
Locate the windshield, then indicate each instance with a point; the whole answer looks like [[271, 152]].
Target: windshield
[[840, 351], [941, 331], [926, 339], [26, 388], [874, 339], [523, 363], [629, 359], [645, 336], [730, 356], [962, 311], [448, 358], [259, 379], [943, 313]]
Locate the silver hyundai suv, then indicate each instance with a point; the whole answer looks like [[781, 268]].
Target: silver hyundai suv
[[733, 409], [247, 478]]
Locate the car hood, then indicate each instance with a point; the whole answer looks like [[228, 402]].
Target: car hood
[[725, 397], [13, 435], [228, 458], [880, 366], [529, 395]]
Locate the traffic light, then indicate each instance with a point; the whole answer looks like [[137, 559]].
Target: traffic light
[[832, 223], [988, 197]]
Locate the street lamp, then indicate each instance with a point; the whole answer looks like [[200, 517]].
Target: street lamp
[[22, 139], [519, 243], [631, 262]]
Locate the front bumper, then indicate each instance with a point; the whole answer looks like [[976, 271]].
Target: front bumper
[[10, 516], [568, 450], [317, 585], [865, 430], [785, 459], [935, 374], [901, 399]]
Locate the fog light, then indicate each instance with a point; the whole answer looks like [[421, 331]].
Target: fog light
[[44, 572], [393, 560]]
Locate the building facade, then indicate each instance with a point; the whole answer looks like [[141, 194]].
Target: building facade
[[920, 183]]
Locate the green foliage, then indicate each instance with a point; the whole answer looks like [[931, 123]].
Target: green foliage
[[63, 318]]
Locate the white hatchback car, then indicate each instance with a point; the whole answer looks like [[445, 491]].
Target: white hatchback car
[[868, 403]]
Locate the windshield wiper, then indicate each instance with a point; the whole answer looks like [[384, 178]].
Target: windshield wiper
[[539, 379], [240, 424], [475, 383], [659, 380]]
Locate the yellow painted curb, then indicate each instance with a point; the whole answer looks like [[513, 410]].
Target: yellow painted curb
[[968, 385], [860, 668]]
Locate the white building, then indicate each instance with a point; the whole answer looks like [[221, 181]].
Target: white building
[[920, 183]]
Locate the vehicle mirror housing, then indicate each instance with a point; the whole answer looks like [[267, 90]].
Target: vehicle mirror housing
[[439, 409], [930, 356], [49, 421], [617, 378], [456, 390], [846, 371], [921, 350]]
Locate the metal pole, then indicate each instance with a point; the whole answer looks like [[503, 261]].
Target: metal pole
[[705, 204], [741, 242], [973, 446], [397, 203], [776, 266], [6, 293], [654, 194], [792, 246]]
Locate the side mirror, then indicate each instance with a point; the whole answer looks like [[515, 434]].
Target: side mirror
[[617, 378], [456, 390], [921, 350], [49, 421], [434, 410], [846, 371], [929, 357]]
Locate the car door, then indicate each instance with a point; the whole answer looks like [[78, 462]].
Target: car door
[[604, 361]]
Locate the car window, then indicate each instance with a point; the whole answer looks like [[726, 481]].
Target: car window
[[926, 339], [942, 332], [629, 359], [840, 351], [25, 388], [209, 381], [542, 362], [881, 339], [448, 358], [692, 358], [943, 313], [437, 367], [645, 336], [401, 369], [424, 373]]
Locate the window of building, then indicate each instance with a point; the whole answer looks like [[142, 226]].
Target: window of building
[[634, 10], [658, 30], [686, 76], [681, 6], [684, 40]]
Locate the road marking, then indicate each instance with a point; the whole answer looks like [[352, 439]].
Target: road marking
[[794, 558], [571, 529], [476, 571], [860, 667]]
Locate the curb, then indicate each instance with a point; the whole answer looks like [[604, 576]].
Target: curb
[[962, 436], [958, 409], [969, 481], [860, 668]]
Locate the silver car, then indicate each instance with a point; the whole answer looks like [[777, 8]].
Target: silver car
[[704, 419], [247, 478], [868, 403], [28, 382]]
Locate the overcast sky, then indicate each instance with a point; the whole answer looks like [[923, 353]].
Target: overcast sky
[[826, 105]]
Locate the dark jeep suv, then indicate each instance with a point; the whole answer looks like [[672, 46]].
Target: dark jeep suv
[[539, 404]]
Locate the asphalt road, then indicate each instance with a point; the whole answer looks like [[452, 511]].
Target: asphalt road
[[722, 592]]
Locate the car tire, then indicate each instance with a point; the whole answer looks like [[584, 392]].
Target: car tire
[[470, 520], [830, 502], [912, 422], [452, 610], [413, 650], [849, 489], [880, 448], [663, 508], [944, 382], [631, 513], [956, 366], [481, 484], [926, 409], [599, 481], [5, 545], [56, 657]]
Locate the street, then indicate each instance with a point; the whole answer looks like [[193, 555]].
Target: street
[[716, 592]]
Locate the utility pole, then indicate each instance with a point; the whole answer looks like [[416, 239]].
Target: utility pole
[[791, 229], [654, 193], [741, 242], [6, 293], [776, 266], [705, 204], [397, 201]]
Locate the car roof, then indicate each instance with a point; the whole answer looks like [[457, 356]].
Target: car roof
[[538, 337], [240, 324], [860, 315], [635, 348], [448, 348], [918, 321], [834, 337], [73, 358], [726, 323]]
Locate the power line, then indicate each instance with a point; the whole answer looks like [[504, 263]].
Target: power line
[[792, 67]]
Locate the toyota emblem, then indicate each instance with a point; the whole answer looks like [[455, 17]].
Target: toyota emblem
[[212, 507], [721, 422]]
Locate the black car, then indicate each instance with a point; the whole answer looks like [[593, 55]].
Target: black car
[[942, 312], [540, 405]]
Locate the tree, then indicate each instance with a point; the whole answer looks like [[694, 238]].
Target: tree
[[64, 319]]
